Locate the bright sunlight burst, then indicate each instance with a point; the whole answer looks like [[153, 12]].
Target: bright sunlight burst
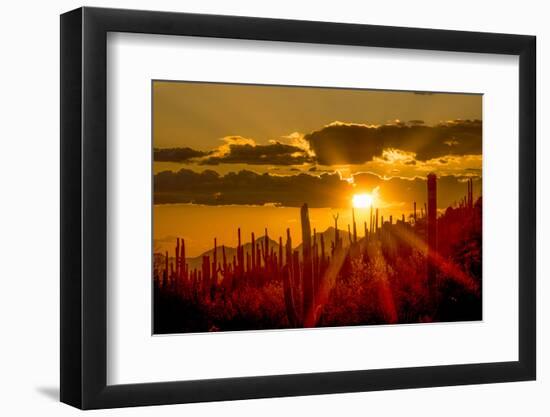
[[362, 200]]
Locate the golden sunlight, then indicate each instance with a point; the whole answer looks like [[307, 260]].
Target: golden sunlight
[[363, 200]]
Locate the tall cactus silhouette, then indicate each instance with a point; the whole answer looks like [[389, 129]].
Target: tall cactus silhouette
[[287, 284], [307, 274]]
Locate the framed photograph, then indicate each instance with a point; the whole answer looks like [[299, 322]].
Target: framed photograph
[[257, 208]]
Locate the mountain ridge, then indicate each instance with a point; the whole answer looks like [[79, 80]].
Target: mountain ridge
[[328, 237]]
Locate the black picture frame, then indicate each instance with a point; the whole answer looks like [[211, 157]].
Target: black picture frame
[[84, 207]]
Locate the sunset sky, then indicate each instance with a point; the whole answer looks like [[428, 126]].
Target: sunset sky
[[250, 153]]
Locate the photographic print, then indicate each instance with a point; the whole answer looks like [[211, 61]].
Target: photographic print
[[279, 207]]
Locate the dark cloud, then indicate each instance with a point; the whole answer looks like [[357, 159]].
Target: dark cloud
[[237, 153], [246, 187], [177, 154], [272, 154], [341, 143], [325, 190]]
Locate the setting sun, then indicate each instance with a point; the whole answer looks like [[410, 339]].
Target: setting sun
[[362, 200]]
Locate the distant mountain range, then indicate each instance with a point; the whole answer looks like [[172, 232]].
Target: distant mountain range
[[328, 236], [196, 262]]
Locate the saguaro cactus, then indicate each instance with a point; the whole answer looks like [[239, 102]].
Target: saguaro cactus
[[265, 249], [323, 257], [307, 275], [432, 233], [336, 234], [287, 284], [177, 258], [165, 272], [315, 264], [297, 284], [258, 256], [253, 252], [214, 275], [354, 225], [240, 254], [371, 222], [206, 276], [183, 261], [280, 258], [470, 193]]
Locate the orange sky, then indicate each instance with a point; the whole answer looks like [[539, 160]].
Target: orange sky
[[341, 142]]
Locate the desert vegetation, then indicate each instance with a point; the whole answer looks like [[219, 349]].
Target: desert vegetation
[[423, 267]]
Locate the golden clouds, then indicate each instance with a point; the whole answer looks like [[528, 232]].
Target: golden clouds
[[388, 150]]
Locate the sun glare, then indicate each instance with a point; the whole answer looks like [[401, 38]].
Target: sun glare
[[362, 200]]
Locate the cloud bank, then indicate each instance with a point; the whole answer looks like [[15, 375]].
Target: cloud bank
[[272, 154], [343, 144], [326, 190]]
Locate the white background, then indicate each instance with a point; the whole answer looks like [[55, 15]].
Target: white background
[[29, 300], [134, 356]]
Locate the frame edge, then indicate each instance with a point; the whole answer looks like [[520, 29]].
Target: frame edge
[[528, 207], [70, 208]]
